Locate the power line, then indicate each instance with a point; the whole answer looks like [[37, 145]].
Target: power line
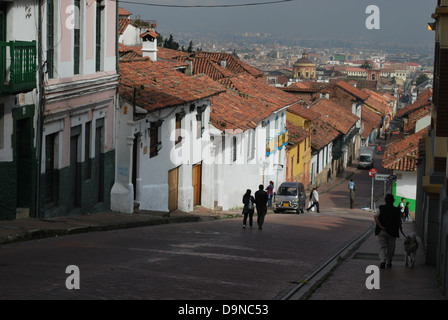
[[206, 6]]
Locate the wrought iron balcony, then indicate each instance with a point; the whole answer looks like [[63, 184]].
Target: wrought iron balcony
[[18, 66]]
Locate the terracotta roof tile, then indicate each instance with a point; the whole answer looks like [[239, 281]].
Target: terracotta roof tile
[[150, 33], [355, 92], [414, 116], [208, 67], [403, 154], [258, 88], [377, 102], [423, 100], [233, 64], [123, 12], [322, 133], [232, 110], [303, 111], [296, 134], [123, 24], [158, 86], [247, 101], [370, 119], [334, 114]]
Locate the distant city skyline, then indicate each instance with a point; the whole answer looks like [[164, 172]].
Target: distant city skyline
[[402, 22]]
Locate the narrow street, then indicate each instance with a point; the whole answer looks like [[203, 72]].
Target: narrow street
[[206, 260]]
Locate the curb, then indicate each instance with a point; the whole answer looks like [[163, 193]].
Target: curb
[[305, 289], [49, 233]]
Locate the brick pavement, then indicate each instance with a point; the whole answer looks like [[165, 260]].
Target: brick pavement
[[345, 282]]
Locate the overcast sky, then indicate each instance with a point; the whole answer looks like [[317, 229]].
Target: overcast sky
[[400, 20]]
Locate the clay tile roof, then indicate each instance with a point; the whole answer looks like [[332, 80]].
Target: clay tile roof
[[334, 114], [232, 63], [213, 70], [150, 33], [123, 24], [233, 110], [166, 53], [403, 154], [158, 86], [352, 90], [423, 100], [378, 102], [302, 86], [246, 102], [303, 111], [414, 116], [370, 120], [322, 134], [123, 12], [296, 133]]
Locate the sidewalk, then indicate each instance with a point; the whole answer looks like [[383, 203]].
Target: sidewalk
[[348, 280], [29, 228]]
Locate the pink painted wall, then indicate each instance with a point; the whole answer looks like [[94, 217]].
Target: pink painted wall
[[111, 27], [66, 33], [90, 30]]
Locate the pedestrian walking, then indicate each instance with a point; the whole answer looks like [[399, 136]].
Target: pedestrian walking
[[378, 149], [310, 201], [270, 191], [406, 213], [401, 206], [352, 190], [248, 209], [315, 199], [388, 223], [261, 200]]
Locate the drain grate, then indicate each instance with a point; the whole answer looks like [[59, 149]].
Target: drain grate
[[374, 256]]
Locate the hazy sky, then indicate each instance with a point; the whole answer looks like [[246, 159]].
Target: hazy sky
[[400, 20]]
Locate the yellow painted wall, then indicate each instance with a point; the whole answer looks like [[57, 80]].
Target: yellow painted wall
[[300, 171]]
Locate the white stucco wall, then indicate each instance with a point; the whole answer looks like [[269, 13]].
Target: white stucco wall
[[406, 186], [152, 173]]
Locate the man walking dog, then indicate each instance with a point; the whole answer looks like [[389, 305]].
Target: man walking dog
[[388, 224]]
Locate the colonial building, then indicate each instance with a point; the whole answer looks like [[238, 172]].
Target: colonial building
[[432, 194], [249, 134], [78, 149], [161, 134], [19, 107], [304, 68], [299, 151], [346, 145]]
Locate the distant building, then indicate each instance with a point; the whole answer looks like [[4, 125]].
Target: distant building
[[304, 68]]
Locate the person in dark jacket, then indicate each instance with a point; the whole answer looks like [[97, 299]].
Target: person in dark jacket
[[248, 209], [388, 224], [261, 200]]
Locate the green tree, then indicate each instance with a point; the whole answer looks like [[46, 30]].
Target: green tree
[[190, 47], [421, 78], [366, 65]]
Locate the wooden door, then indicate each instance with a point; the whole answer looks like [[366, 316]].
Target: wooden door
[[172, 189], [197, 177]]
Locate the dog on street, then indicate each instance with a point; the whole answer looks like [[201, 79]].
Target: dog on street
[[410, 247]]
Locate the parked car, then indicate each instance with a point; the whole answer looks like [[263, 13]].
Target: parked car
[[366, 157], [290, 196]]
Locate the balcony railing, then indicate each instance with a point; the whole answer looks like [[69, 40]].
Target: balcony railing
[[17, 66]]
